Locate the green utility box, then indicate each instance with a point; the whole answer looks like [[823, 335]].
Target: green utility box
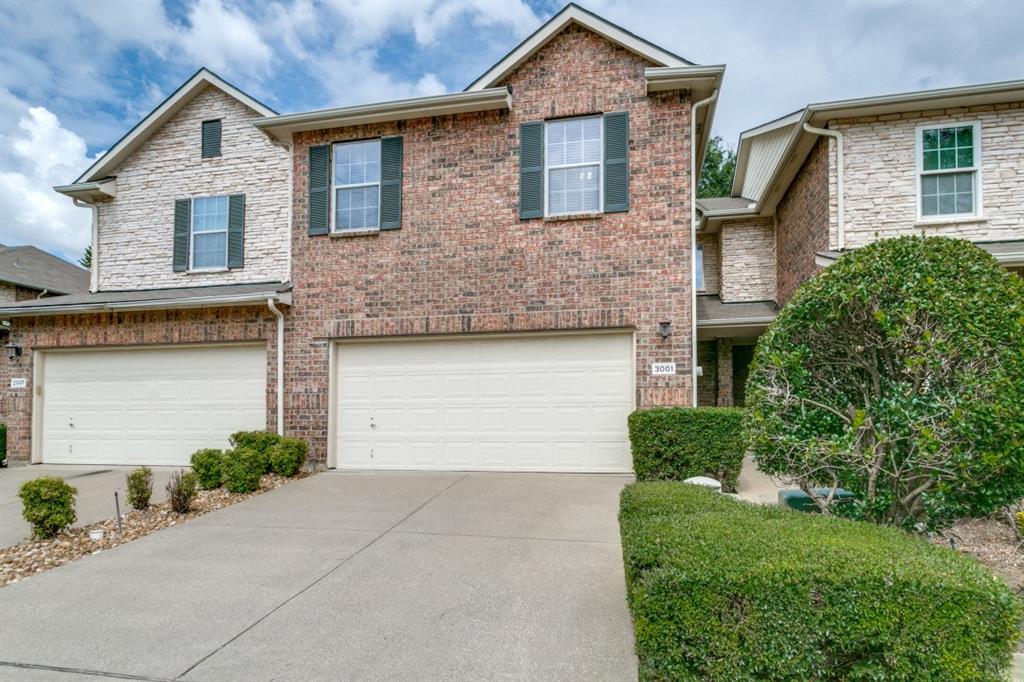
[[801, 501]]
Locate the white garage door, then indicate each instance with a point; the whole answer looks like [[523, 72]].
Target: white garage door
[[149, 406], [515, 403]]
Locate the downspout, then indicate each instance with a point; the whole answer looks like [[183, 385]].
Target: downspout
[[42, 293], [280, 365], [94, 266], [838, 136], [693, 242]]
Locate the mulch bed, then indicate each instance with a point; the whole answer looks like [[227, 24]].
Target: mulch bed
[[32, 556], [992, 542]]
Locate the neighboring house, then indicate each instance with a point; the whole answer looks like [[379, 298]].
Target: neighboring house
[[482, 280], [836, 176], [28, 273]]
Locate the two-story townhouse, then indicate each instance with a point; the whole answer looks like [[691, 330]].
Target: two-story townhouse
[[835, 176], [491, 279]]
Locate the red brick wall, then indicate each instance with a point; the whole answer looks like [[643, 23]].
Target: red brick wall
[[802, 223], [464, 261], [210, 325]]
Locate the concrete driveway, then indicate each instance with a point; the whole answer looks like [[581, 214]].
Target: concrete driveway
[[94, 502], [347, 576]]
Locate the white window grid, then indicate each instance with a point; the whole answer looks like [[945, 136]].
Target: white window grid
[[599, 165], [335, 187], [222, 202], [974, 170]]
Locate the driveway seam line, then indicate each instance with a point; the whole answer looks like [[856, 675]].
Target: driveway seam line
[[321, 578], [83, 671], [507, 537]]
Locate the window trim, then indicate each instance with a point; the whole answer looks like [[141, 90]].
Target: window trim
[[920, 172], [600, 166], [699, 270], [192, 235], [332, 198]]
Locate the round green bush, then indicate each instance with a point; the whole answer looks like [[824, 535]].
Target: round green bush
[[288, 456], [206, 464], [140, 487], [259, 442], [48, 503], [241, 470], [898, 374]]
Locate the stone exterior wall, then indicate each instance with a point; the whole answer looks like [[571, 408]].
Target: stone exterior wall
[[136, 228], [802, 223], [712, 263], [198, 325], [747, 260], [463, 261], [881, 182]]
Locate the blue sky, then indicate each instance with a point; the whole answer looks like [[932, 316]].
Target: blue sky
[[74, 76]]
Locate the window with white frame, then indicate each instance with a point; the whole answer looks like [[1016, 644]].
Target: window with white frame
[[572, 159], [699, 267], [948, 162], [357, 185], [209, 233]]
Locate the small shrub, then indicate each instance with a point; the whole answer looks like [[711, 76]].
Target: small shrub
[[676, 443], [288, 456], [726, 590], [181, 488], [48, 503], [241, 470], [140, 487], [206, 464], [3, 445], [259, 442]]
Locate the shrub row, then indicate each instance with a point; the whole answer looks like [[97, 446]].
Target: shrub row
[[254, 454], [725, 590], [675, 443]]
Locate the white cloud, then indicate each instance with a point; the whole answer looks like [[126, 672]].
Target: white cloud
[[42, 153], [221, 37]]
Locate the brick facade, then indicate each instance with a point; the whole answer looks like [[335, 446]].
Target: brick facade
[[707, 382], [747, 260], [712, 262], [12, 293], [464, 261], [136, 228], [150, 328], [802, 223]]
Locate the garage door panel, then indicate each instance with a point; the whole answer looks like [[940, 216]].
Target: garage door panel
[[149, 405], [531, 403]]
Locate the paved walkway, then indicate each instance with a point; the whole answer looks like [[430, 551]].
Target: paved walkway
[[375, 576]]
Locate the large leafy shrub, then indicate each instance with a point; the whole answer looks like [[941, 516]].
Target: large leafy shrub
[[680, 442], [897, 374], [727, 590], [241, 469], [206, 464], [259, 442], [48, 503], [140, 487], [288, 455]]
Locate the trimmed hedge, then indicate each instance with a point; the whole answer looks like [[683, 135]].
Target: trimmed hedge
[[207, 464], [675, 443], [725, 590], [287, 456], [241, 470], [259, 442]]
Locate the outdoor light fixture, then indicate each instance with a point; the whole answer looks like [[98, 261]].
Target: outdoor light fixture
[[663, 329], [13, 350]]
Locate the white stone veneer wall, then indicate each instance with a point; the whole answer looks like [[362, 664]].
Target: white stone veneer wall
[[747, 261]]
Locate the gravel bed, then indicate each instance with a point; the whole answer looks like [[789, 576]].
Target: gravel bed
[[32, 556]]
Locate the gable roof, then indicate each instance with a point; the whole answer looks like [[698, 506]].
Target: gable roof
[[34, 268], [574, 13], [156, 118]]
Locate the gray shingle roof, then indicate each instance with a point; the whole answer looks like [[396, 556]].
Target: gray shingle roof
[[34, 268], [711, 311], [723, 203]]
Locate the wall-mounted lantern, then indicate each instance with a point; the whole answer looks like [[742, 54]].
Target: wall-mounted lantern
[[13, 351], [664, 328]]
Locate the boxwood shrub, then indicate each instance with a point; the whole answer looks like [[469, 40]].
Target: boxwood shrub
[[676, 443], [259, 442], [206, 464], [288, 455], [3, 445], [241, 470], [726, 590], [48, 504]]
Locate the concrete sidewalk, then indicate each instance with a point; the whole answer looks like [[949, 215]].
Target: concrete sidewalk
[[348, 576], [94, 502]]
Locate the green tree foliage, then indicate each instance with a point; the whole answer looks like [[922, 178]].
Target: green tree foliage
[[897, 374], [719, 166], [86, 260]]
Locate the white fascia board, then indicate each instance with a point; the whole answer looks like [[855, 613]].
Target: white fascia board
[[744, 143], [574, 13], [156, 118], [281, 128], [90, 191]]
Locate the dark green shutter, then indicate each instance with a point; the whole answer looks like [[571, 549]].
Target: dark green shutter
[[182, 224], [236, 230], [319, 189], [531, 170], [391, 183], [616, 162], [211, 139]]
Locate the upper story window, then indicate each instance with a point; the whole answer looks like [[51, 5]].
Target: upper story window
[[699, 267], [211, 139], [948, 160], [357, 185], [572, 165], [209, 247]]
